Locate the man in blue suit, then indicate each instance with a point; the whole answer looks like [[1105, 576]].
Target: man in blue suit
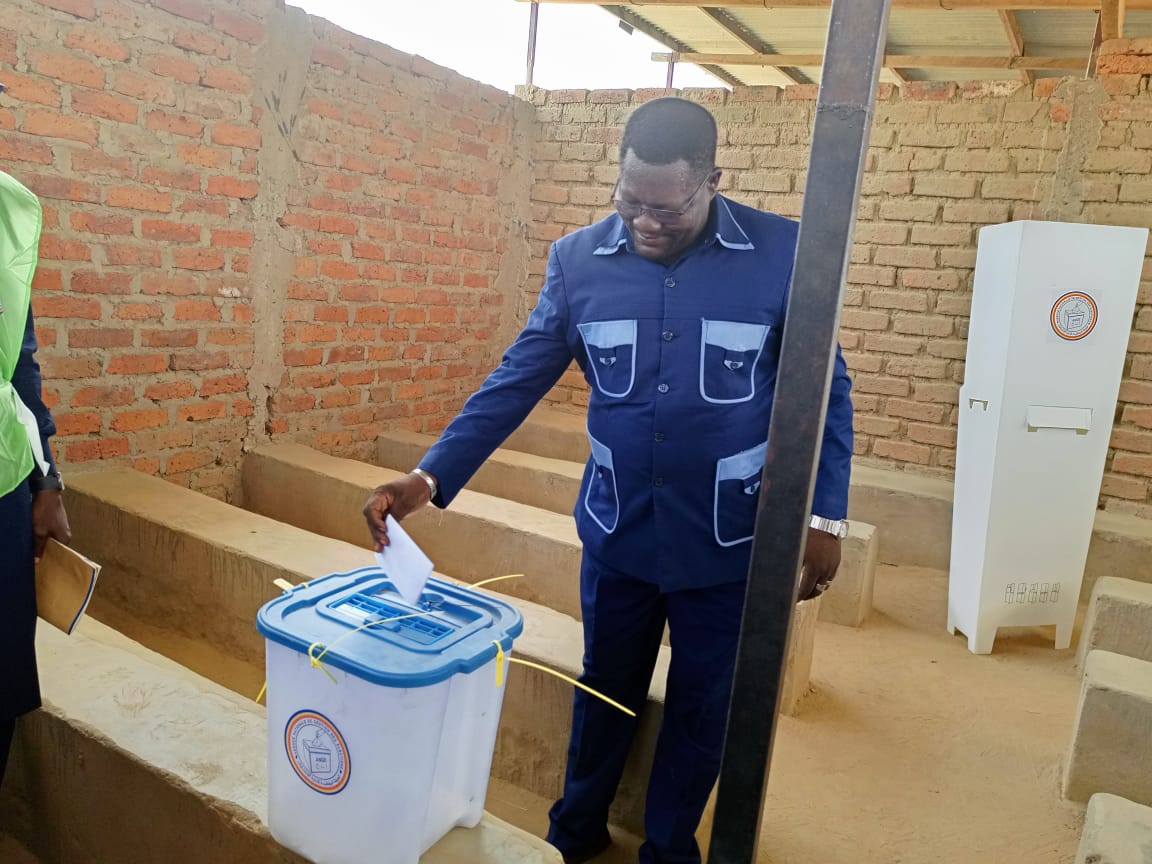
[[673, 307]]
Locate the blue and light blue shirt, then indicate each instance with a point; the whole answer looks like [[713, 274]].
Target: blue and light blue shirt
[[681, 361]]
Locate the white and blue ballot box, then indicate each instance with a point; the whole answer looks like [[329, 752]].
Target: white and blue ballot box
[[1052, 310], [386, 745]]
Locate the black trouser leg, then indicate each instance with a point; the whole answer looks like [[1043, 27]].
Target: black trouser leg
[[7, 729]]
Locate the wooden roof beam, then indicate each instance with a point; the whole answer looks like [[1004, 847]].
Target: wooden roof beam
[[1016, 41], [748, 38], [1112, 19], [891, 61], [934, 5], [633, 20], [1012, 28]]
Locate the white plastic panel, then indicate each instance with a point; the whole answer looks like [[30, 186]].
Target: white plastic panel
[[1047, 417]]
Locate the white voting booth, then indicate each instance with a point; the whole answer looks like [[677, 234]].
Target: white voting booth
[[1051, 314]]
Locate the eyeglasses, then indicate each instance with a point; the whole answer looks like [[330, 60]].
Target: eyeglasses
[[664, 217]]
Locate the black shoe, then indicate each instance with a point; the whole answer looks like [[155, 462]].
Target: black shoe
[[588, 854]]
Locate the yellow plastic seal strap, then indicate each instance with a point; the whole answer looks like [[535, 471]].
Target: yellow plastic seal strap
[[316, 664], [484, 582], [502, 658]]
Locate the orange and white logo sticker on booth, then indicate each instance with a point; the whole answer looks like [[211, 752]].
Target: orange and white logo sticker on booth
[[1074, 315], [317, 751]]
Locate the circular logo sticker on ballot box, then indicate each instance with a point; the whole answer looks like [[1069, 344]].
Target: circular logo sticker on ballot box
[[317, 752], [1074, 316]]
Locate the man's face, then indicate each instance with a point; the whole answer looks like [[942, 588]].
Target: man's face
[[673, 188]]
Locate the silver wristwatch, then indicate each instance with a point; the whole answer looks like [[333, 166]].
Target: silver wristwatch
[[427, 478], [838, 528]]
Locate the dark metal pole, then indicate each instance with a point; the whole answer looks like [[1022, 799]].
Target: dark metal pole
[[852, 62], [533, 24]]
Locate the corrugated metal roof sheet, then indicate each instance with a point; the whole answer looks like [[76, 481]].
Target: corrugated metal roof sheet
[[938, 34], [912, 31]]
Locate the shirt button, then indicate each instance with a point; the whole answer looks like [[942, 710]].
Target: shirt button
[[663, 388], [658, 481], [659, 436], [667, 334], [669, 282]]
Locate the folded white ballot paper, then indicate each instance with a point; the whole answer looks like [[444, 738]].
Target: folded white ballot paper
[[404, 563]]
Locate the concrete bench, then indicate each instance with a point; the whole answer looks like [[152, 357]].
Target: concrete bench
[[1119, 620], [552, 433], [552, 484], [848, 601], [187, 760], [1116, 831], [185, 574], [478, 537], [796, 682], [1112, 740], [538, 481]]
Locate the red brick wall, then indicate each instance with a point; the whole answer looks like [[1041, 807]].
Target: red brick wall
[[259, 225], [944, 161], [255, 224]]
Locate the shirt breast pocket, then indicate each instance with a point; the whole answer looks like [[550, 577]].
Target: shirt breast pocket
[[737, 493], [729, 353], [611, 347]]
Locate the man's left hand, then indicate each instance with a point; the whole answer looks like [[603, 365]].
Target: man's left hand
[[821, 561], [49, 520]]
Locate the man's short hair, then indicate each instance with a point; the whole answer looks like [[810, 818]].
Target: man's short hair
[[669, 129]]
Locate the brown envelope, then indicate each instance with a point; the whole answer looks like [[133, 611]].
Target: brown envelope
[[65, 580]]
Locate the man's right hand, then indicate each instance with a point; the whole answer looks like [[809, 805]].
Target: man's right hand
[[397, 499]]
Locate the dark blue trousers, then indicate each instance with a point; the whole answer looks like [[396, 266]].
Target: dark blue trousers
[[19, 686], [624, 620], [7, 729]]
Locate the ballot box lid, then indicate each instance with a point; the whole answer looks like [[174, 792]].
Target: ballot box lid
[[359, 623]]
